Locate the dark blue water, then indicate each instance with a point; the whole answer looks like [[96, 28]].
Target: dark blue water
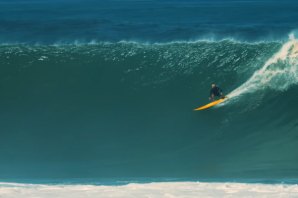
[[152, 21], [104, 91]]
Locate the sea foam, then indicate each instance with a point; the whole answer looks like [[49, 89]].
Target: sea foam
[[150, 190]]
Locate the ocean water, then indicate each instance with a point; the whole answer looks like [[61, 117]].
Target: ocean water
[[98, 97]]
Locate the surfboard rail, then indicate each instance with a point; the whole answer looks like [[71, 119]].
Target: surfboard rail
[[211, 104]]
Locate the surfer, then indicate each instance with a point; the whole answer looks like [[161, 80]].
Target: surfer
[[215, 92]]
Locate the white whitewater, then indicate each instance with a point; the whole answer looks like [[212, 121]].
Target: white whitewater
[[150, 190]]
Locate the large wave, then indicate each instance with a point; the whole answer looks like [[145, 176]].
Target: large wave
[[124, 110]]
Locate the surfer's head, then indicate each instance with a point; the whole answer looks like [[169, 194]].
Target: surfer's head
[[213, 85]]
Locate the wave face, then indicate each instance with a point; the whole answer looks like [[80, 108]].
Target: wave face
[[125, 110]]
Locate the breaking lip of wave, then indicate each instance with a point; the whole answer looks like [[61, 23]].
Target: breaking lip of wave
[[211, 36], [136, 41], [156, 189]]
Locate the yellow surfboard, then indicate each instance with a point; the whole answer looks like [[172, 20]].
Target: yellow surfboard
[[211, 104]]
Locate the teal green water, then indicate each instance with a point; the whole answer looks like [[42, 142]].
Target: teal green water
[[125, 110]]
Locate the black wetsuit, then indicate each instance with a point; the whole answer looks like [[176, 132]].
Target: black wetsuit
[[215, 91]]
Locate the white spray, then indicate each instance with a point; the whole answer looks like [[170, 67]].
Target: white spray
[[278, 73]]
